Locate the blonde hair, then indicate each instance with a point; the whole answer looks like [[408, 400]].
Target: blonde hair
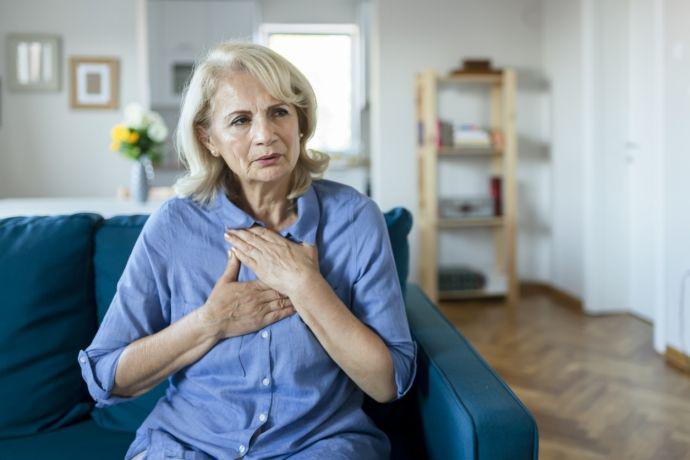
[[205, 172]]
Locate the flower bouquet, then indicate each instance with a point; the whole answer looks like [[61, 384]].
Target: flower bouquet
[[141, 137]]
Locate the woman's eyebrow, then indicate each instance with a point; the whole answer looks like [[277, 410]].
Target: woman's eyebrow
[[237, 112]]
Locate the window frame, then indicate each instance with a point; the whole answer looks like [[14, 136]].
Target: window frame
[[358, 91]]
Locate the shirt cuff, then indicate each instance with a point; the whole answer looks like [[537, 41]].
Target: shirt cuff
[[98, 371], [404, 358]]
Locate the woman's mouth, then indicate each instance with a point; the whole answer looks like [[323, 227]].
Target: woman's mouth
[[268, 159]]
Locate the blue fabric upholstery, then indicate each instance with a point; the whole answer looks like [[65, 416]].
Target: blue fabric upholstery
[[45, 317], [81, 441], [114, 241], [466, 410], [457, 408], [399, 223]]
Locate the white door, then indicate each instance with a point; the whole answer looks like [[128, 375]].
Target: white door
[[643, 160], [624, 215]]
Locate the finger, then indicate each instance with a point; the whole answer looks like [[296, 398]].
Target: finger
[[277, 304], [232, 269], [245, 258], [277, 315], [266, 234], [250, 236], [267, 296], [241, 243]]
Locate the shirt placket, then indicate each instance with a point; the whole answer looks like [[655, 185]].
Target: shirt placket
[[265, 383]]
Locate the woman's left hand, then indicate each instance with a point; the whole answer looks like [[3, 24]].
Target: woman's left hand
[[280, 263]]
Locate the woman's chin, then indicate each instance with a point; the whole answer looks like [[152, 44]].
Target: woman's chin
[[271, 174]]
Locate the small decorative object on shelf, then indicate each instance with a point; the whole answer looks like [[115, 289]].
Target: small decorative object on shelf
[[140, 137], [475, 66]]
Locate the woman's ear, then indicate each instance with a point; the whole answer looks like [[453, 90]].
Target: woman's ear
[[205, 140]]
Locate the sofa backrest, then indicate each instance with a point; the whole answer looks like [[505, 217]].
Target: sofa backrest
[[46, 315]]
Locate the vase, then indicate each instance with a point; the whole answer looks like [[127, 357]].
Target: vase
[[139, 182]]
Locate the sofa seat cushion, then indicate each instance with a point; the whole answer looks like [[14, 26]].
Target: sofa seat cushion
[[47, 313], [83, 441]]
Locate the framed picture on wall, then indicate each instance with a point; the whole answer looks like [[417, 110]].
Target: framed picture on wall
[[33, 62], [94, 82]]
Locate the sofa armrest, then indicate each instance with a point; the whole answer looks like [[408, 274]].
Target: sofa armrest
[[466, 410]]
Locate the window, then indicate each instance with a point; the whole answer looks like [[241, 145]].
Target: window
[[328, 56]]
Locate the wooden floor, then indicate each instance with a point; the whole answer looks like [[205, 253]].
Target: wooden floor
[[595, 385]]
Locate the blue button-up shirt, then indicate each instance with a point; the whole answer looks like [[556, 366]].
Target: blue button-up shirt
[[274, 392]]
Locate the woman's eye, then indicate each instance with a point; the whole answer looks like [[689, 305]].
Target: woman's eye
[[239, 121], [281, 112]]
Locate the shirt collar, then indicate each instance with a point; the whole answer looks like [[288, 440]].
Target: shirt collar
[[302, 230]]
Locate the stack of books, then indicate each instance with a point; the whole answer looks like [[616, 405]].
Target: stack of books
[[471, 135]]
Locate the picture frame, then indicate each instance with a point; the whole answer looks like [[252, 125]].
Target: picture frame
[[34, 62], [94, 82]]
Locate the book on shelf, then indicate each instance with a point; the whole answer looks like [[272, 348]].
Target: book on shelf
[[462, 135], [497, 194]]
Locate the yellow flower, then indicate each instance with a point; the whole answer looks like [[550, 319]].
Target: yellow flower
[[133, 137], [115, 146], [119, 133]]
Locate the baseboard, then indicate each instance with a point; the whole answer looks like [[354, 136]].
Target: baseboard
[[562, 298], [677, 359]]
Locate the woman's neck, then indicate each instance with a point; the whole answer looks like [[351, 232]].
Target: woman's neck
[[266, 204]]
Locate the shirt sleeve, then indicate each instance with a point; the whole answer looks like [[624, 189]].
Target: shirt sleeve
[[377, 297], [140, 307]]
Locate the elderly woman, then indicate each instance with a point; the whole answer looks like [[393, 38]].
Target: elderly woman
[[268, 299]]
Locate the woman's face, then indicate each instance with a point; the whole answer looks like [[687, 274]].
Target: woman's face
[[248, 124]]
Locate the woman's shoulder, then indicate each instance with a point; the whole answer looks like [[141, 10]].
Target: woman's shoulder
[[332, 193], [342, 199], [173, 212]]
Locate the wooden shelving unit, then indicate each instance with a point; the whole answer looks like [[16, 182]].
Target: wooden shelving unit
[[503, 280]]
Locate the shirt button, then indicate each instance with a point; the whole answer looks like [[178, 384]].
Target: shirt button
[[263, 417], [266, 381], [242, 448], [82, 360], [264, 334]]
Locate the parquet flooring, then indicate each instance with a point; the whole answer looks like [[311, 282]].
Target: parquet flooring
[[595, 385]]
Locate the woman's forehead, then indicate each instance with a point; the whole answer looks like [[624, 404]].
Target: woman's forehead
[[242, 91]]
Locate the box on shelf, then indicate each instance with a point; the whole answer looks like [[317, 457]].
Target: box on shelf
[[460, 278], [466, 207]]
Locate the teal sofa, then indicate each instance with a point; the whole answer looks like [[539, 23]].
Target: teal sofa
[[57, 277]]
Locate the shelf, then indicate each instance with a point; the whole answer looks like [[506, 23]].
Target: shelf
[[491, 78], [462, 223], [497, 91], [468, 151], [496, 286]]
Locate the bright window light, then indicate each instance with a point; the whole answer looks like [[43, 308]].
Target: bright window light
[[328, 62]]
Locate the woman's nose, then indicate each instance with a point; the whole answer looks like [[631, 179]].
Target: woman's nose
[[263, 131]]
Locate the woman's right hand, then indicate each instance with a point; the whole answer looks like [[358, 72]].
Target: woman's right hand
[[236, 308]]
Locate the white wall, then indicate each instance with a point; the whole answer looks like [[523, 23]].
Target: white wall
[[307, 11], [46, 148], [677, 169], [563, 65], [410, 36]]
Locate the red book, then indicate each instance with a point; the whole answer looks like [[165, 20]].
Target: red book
[[496, 194]]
